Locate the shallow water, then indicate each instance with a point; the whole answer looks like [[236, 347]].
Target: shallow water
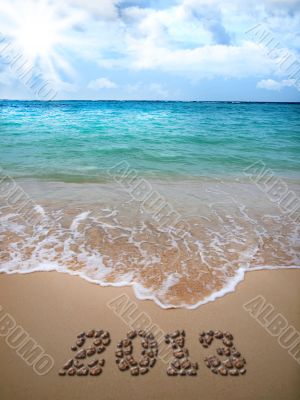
[[161, 196]]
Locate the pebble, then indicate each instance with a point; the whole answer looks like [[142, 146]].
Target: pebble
[[92, 363], [98, 333], [222, 371], [131, 334], [80, 342], [119, 353], [219, 335], [171, 371], [182, 372], [102, 362], [90, 333], [62, 372], [228, 363], [100, 349], [214, 370], [123, 366], [105, 335], [128, 350], [238, 364], [106, 341], [152, 362], [135, 371], [81, 354], [227, 342], [68, 364], [210, 333], [83, 371], [176, 364], [215, 362], [220, 351], [194, 365], [78, 364], [186, 364], [227, 352], [192, 372], [228, 335], [91, 351], [97, 342], [72, 372], [74, 348], [174, 334], [242, 371], [144, 370], [81, 335], [144, 362], [178, 354], [233, 372], [95, 371], [141, 333]]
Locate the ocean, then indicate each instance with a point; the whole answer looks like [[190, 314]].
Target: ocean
[[177, 199]]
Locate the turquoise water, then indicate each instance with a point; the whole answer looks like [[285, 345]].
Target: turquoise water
[[79, 140]]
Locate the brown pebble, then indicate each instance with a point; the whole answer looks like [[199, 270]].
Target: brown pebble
[[227, 342], [194, 365], [178, 354], [74, 348], [128, 350], [144, 362], [174, 334], [227, 352], [220, 351], [141, 333], [238, 364], [105, 335], [81, 354], [90, 333], [211, 333], [228, 335], [242, 371], [71, 371], [62, 372], [123, 366], [215, 362], [192, 372], [102, 362], [219, 335], [119, 353], [186, 364], [100, 349], [97, 342], [182, 372], [144, 370], [152, 362], [83, 371], [134, 371], [78, 364], [228, 363], [81, 335], [96, 371], [131, 334], [214, 370], [91, 351], [98, 334], [92, 363], [233, 372], [171, 371], [68, 364], [222, 371], [106, 341], [80, 342]]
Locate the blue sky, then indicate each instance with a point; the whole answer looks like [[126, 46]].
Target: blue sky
[[150, 49]]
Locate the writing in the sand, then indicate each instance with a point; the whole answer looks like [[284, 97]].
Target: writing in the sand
[[90, 345]]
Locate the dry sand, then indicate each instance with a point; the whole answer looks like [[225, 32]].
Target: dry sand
[[54, 307]]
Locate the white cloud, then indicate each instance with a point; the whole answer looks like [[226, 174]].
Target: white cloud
[[271, 84], [102, 83]]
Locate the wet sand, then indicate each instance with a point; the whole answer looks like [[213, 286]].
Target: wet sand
[[55, 307]]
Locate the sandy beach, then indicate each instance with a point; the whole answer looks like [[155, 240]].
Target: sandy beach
[[53, 308]]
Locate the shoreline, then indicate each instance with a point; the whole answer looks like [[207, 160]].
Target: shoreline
[[53, 308], [137, 288]]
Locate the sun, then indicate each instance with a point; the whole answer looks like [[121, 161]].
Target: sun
[[42, 31]]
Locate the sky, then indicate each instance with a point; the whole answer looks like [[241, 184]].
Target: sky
[[188, 50]]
